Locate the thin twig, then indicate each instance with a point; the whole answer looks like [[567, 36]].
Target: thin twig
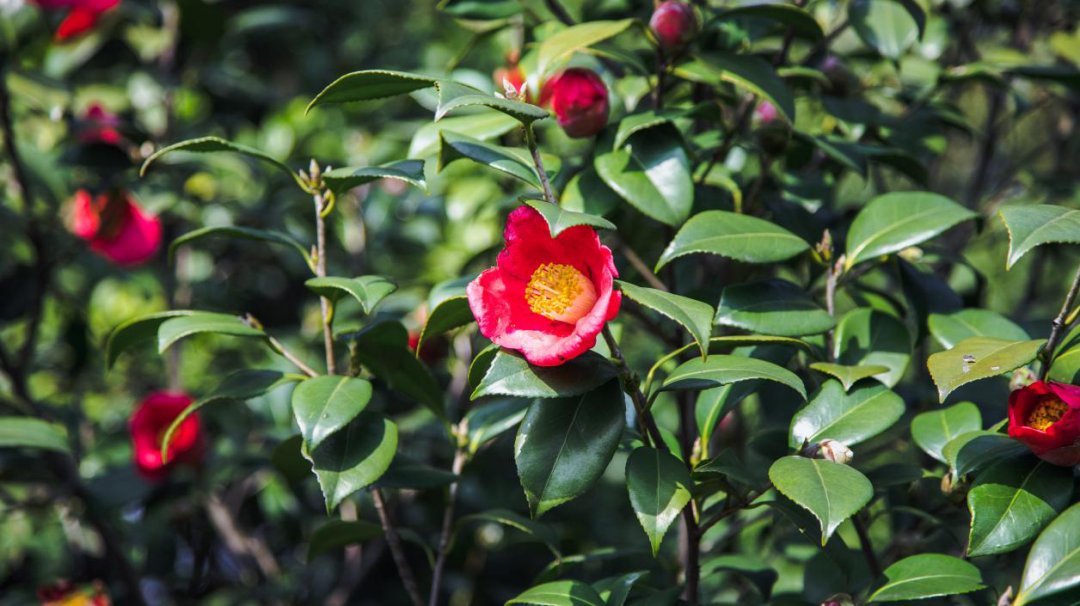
[[867, 546], [351, 563], [288, 355], [534, 149], [460, 457], [320, 271], [632, 387], [559, 12], [640, 266], [1057, 328], [396, 549]]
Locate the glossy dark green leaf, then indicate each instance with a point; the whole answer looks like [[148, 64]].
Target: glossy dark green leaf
[[772, 307], [336, 534], [559, 593], [927, 575], [511, 375], [830, 491], [369, 85], [1053, 564], [367, 290], [454, 95], [1037, 224], [635, 123], [560, 219], [746, 71], [383, 348], [323, 405], [484, 126], [514, 162], [480, 10], [215, 144], [245, 233], [721, 370], [26, 432], [564, 445], [587, 193], [978, 358], [892, 222], [934, 429], [849, 418], [749, 567], [405, 474], [849, 375], [652, 173], [867, 337], [560, 46], [659, 485], [354, 457], [450, 313], [1065, 367], [615, 590], [791, 16], [695, 316], [489, 419], [969, 452], [950, 329], [173, 329], [1012, 501], [510, 519], [884, 25], [740, 237], [409, 171], [131, 333]]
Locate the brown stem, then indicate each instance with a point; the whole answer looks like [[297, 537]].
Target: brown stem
[[534, 149], [351, 564], [640, 266], [867, 546], [396, 549], [320, 271], [559, 12], [632, 387], [460, 457], [831, 280], [1057, 328], [239, 542], [288, 355]]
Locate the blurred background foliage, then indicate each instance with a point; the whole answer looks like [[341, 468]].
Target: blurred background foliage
[[246, 70]]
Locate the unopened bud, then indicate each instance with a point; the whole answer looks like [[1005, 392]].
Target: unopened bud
[[1021, 378], [840, 599], [830, 450], [316, 174], [825, 247], [911, 254]]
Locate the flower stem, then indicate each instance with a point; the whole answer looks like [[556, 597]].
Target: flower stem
[[460, 458], [632, 388], [534, 149], [320, 271], [396, 550], [1057, 328]]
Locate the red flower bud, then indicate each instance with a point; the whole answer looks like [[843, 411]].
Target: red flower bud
[[548, 297], [99, 125], [148, 425], [674, 24], [115, 226], [580, 101], [1045, 416], [83, 16], [765, 112]]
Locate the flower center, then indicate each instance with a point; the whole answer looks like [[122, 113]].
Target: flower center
[[1046, 413], [560, 292]]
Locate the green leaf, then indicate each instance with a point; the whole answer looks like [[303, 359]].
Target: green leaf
[[1065, 367], [560, 219], [323, 405], [969, 452], [740, 237], [950, 329], [480, 10], [831, 491], [849, 375], [659, 486], [383, 348], [561, 45], [344, 179], [794, 17], [505, 517], [867, 337], [1053, 564], [884, 25], [1012, 501], [510, 161], [173, 329], [615, 590], [238, 386], [336, 534], [510, 375], [721, 370], [480, 126], [489, 420], [749, 567], [216, 144], [367, 290], [772, 307], [405, 474], [635, 123], [849, 418], [1036, 224], [978, 358], [928, 575], [354, 457], [25, 432], [693, 315], [559, 593], [652, 173], [587, 193], [245, 233], [454, 95], [746, 71], [369, 85], [892, 222], [142, 329], [564, 445], [934, 429], [450, 313]]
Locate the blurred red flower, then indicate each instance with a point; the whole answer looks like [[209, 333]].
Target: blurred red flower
[[148, 425], [64, 593], [115, 226], [82, 17], [1045, 416], [546, 297], [579, 99], [99, 125], [674, 24]]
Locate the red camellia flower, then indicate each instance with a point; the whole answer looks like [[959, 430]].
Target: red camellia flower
[[99, 125], [766, 112], [674, 24], [546, 297], [82, 17], [579, 99], [148, 425], [116, 227], [1045, 416]]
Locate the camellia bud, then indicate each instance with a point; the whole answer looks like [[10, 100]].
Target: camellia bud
[[840, 599], [580, 101], [674, 24], [1021, 378], [830, 450]]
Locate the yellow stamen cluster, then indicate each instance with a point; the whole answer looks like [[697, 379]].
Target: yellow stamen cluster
[[1046, 413], [555, 291]]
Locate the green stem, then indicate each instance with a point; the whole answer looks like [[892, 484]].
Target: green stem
[[534, 149], [632, 388]]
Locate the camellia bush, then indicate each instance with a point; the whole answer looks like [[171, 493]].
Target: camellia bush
[[553, 302]]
